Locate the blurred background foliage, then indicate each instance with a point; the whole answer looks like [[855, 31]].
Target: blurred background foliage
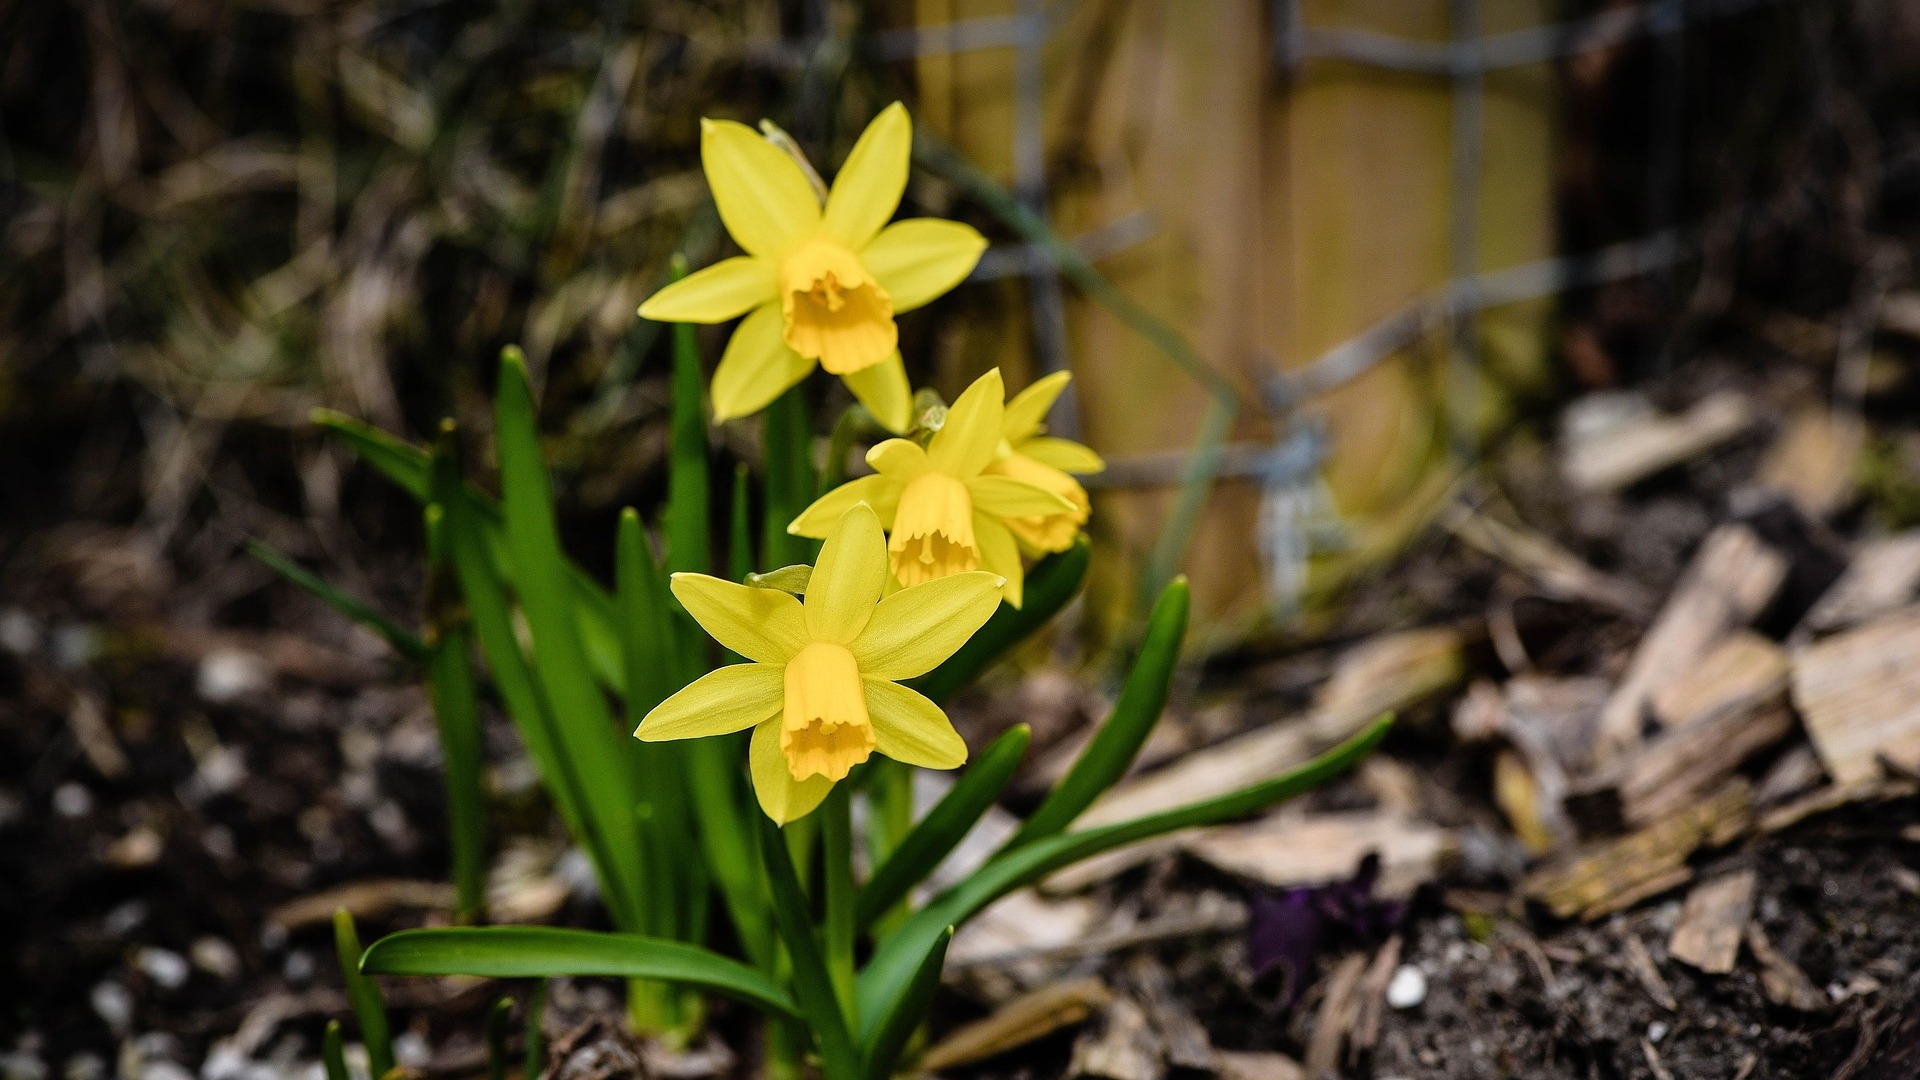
[[221, 213]]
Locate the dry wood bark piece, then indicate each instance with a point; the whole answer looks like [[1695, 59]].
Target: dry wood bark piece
[[1833, 797], [1716, 912], [1020, 926], [1381, 675], [1740, 673], [364, 900], [1287, 849], [1532, 813], [1121, 1047], [1883, 577], [1782, 980], [1636, 449], [1557, 572], [1640, 962], [1859, 695], [1384, 674], [1339, 1010], [1020, 1021], [1900, 313], [1209, 915], [1373, 999], [1258, 1065], [1600, 880], [1812, 464], [1677, 768], [1795, 772], [1183, 1038], [1730, 579]]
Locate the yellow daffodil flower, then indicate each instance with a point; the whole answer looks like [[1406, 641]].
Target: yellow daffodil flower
[[944, 513], [823, 691], [817, 284], [1030, 455]]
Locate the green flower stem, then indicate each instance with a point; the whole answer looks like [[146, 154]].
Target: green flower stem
[[787, 443], [836, 834]]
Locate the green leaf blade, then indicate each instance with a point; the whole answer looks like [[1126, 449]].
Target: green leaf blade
[[541, 581], [369, 1008], [895, 961], [812, 984], [1135, 713], [945, 825], [508, 952], [885, 1030]]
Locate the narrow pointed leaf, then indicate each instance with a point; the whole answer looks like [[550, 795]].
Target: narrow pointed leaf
[[409, 467], [369, 1008], [895, 962], [402, 640], [1113, 748], [812, 986], [538, 570], [403, 464], [497, 1026], [945, 825], [513, 952], [333, 1058], [891, 1023]]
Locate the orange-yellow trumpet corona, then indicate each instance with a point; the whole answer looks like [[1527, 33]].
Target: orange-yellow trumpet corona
[[945, 510]]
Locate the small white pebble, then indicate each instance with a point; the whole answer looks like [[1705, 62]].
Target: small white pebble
[[221, 770], [164, 1070], [299, 967], [226, 1062], [411, 1050], [229, 674], [163, 966], [215, 957], [22, 1065], [123, 919], [1656, 1031], [19, 632], [71, 800], [74, 646], [1407, 988], [114, 1005], [85, 1066]]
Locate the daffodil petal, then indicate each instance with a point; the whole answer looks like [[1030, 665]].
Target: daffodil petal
[[763, 625], [847, 578], [1000, 555], [908, 727], [722, 701], [1063, 454], [971, 436], [915, 629], [1006, 497], [902, 459], [880, 492], [782, 798], [764, 198], [728, 288], [919, 259], [883, 389], [757, 366], [1027, 410], [868, 189]]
